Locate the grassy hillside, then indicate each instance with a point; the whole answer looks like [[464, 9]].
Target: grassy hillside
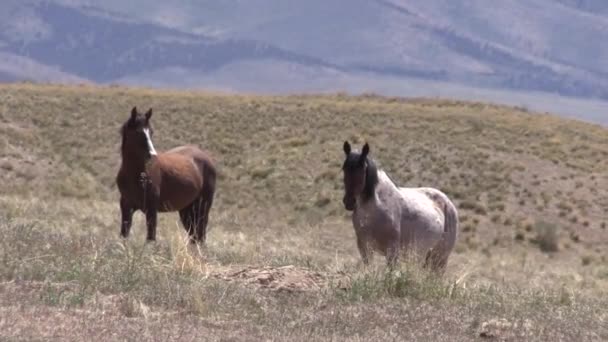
[[281, 261]]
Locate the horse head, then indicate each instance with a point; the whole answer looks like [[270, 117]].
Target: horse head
[[137, 134], [360, 176]]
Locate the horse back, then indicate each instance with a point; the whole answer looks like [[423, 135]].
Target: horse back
[[422, 216], [436, 196], [423, 199], [202, 158], [179, 168], [184, 172]]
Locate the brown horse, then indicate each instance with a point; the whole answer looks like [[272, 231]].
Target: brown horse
[[181, 179]]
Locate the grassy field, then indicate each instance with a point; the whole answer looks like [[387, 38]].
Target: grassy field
[[281, 262]]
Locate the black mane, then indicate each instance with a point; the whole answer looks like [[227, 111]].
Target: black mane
[[371, 179], [123, 131]]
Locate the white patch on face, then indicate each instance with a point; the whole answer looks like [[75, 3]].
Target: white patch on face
[[149, 141]]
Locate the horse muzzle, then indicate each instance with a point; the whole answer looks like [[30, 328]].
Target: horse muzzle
[[349, 203]]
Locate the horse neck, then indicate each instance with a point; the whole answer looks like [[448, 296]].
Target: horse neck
[[385, 185], [385, 180], [380, 200], [135, 161]]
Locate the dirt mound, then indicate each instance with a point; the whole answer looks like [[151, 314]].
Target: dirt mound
[[285, 278], [502, 329]]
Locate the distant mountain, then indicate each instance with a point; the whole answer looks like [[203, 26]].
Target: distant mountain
[[104, 47], [16, 68], [553, 46], [518, 44]]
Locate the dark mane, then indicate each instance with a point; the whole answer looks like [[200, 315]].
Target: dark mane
[[122, 132], [371, 179]]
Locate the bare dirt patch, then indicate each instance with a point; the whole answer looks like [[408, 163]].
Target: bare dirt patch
[[288, 278]]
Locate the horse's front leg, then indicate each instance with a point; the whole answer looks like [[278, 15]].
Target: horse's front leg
[[151, 221], [364, 250], [392, 253], [151, 215], [126, 219]]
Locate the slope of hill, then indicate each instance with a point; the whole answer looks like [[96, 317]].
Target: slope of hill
[[281, 260]]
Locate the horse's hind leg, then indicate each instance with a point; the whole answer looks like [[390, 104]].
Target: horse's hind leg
[[437, 257], [195, 218], [186, 218], [436, 261], [189, 219], [207, 199]]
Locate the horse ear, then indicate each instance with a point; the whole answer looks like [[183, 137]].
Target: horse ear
[[148, 114], [133, 113], [346, 148], [364, 152]]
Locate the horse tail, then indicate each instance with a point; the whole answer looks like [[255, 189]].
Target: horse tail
[[438, 256]]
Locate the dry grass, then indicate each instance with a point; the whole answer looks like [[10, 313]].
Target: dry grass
[[281, 261]]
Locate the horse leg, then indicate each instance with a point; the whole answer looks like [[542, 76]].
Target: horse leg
[[437, 257], [364, 250], [200, 216], [207, 200], [435, 261], [151, 221], [392, 254], [186, 215], [126, 213], [192, 218]]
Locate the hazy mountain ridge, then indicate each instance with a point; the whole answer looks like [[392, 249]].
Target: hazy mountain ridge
[[91, 44], [536, 45], [15, 68]]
